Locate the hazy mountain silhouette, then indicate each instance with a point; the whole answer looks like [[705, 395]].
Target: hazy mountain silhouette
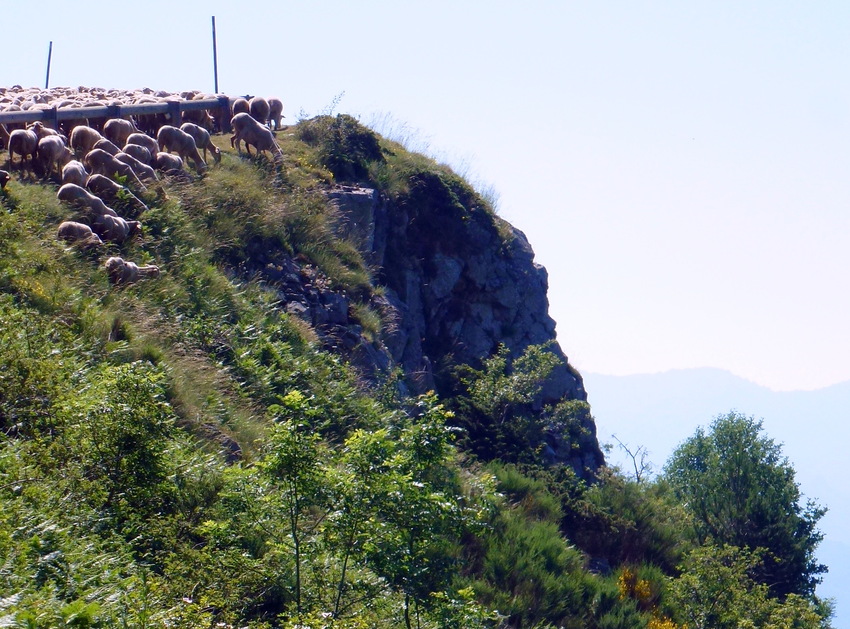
[[659, 411]]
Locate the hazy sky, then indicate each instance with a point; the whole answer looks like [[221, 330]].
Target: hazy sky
[[680, 168]]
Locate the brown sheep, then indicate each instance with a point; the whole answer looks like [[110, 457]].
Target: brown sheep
[[202, 140], [101, 162], [275, 112], [169, 137], [258, 107], [79, 234], [121, 271], [23, 142], [253, 133]]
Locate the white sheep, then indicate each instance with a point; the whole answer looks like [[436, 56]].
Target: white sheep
[[142, 139], [240, 106], [118, 130], [23, 142], [122, 271], [202, 140], [74, 172], [171, 138], [143, 171], [258, 107], [83, 139], [78, 234], [81, 198], [52, 153], [253, 133], [107, 188], [139, 152], [107, 145], [115, 228], [101, 162]]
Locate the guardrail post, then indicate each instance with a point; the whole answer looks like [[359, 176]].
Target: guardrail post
[[51, 117], [224, 114], [174, 113]]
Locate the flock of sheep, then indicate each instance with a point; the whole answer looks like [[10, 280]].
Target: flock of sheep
[[90, 156]]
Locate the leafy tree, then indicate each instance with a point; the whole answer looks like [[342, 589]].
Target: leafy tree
[[715, 591], [741, 491]]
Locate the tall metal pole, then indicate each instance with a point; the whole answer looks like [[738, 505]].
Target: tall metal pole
[[215, 57], [49, 54]]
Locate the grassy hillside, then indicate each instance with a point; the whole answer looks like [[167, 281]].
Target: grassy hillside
[[184, 452]]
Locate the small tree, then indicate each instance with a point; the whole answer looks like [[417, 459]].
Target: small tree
[[741, 491]]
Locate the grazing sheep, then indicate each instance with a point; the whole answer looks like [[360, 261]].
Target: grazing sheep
[[240, 106], [139, 152], [202, 140], [200, 117], [83, 139], [4, 136], [143, 171], [258, 107], [4, 179], [101, 162], [142, 139], [74, 172], [275, 112], [166, 162], [83, 199], [79, 234], [254, 133], [23, 142], [169, 137], [114, 228], [121, 271], [52, 153], [107, 145], [117, 130], [106, 188]]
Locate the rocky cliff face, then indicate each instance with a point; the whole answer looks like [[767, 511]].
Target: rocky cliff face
[[457, 283]]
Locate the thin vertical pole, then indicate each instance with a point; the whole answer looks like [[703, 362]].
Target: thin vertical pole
[[215, 57], [49, 54]]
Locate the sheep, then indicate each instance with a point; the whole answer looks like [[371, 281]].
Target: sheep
[[200, 117], [169, 137], [240, 106], [122, 271], [139, 152], [254, 133], [107, 145], [144, 140], [101, 162], [202, 140], [78, 234], [4, 136], [115, 228], [75, 172], [52, 152], [106, 188], [258, 107], [24, 142], [41, 131], [275, 112], [4, 179], [143, 171], [117, 130], [83, 139], [81, 198]]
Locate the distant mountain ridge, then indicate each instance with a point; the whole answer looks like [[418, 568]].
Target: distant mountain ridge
[[659, 411]]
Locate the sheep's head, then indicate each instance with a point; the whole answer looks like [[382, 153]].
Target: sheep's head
[[135, 228], [4, 179]]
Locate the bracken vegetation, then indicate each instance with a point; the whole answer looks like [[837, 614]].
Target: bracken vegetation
[[183, 452]]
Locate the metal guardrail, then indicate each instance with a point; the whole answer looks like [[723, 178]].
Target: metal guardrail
[[53, 116]]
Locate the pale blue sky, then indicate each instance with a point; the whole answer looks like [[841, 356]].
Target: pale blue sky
[[680, 168]]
